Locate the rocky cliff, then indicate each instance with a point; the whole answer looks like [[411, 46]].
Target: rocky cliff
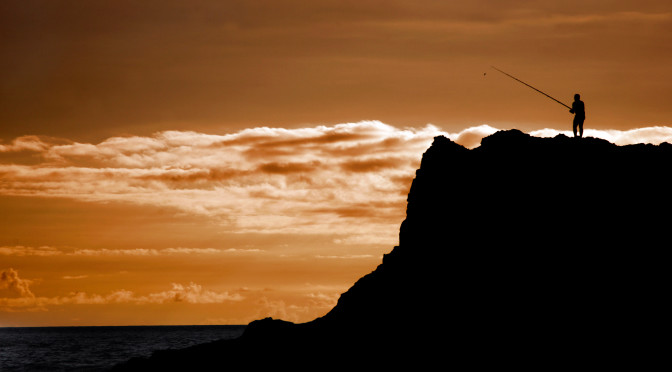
[[522, 252]]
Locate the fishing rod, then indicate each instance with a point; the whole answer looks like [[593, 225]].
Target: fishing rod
[[520, 81]]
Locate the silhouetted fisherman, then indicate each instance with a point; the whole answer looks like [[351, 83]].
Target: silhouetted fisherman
[[579, 111]]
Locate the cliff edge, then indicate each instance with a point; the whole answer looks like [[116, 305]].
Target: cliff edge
[[524, 251]]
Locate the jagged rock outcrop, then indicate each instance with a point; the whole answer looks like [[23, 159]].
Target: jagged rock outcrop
[[522, 252]]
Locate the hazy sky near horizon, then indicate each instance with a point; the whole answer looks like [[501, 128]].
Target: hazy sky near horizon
[[215, 162]]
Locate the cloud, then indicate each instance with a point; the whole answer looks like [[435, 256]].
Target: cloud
[[371, 165], [72, 277], [345, 257], [25, 143], [20, 250], [273, 308], [266, 180], [311, 301], [210, 250], [16, 295], [471, 137], [46, 251], [283, 168], [349, 178], [192, 293], [12, 286], [653, 135]]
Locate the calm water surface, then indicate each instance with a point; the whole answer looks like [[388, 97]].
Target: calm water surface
[[96, 348]]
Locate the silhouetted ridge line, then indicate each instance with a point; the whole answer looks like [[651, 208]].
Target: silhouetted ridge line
[[524, 251]]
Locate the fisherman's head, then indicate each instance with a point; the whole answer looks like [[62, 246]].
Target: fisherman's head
[[577, 97]]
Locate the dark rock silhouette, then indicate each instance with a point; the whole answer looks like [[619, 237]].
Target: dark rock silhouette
[[524, 252]]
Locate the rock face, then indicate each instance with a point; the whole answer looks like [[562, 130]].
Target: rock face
[[522, 252]]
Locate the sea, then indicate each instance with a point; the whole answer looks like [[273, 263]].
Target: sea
[[97, 348]]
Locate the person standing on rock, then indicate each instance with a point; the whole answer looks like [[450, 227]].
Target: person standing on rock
[[579, 111]]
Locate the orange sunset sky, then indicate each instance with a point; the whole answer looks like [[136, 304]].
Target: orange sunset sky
[[216, 162]]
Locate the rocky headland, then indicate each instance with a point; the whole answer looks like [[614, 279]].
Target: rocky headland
[[524, 252]]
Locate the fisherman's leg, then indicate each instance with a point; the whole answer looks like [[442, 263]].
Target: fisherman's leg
[[574, 127], [581, 128]]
